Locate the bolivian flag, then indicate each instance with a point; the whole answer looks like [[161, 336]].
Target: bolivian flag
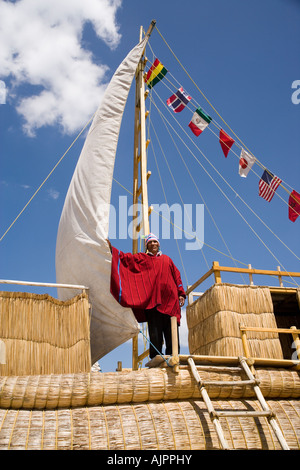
[[156, 73]]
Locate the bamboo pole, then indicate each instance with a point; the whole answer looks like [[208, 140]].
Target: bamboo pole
[[206, 359], [265, 407], [175, 358], [43, 284], [140, 159], [208, 404]]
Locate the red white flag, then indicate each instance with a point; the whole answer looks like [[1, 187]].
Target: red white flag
[[226, 142], [246, 163], [294, 205]]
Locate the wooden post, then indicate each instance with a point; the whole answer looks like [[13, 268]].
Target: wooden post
[[250, 275], [217, 272], [246, 348], [140, 160], [175, 358], [279, 277]]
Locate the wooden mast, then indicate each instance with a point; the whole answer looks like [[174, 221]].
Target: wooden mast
[[140, 178]]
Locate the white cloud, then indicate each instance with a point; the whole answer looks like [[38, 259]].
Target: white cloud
[[41, 46], [53, 194], [2, 92]]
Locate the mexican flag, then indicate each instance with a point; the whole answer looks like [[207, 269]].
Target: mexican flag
[[199, 122]]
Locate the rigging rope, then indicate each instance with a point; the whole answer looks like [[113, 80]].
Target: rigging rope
[[184, 231], [193, 180], [210, 104], [221, 189], [221, 176], [47, 177], [150, 121]]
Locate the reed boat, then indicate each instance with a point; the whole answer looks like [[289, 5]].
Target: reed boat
[[237, 389]]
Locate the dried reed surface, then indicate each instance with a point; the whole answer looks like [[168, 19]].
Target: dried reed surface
[[43, 335], [46, 392], [214, 320], [167, 425]]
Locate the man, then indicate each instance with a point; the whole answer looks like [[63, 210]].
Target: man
[[151, 285]]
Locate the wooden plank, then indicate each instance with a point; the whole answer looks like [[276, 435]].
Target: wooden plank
[[291, 330], [238, 413], [228, 383], [258, 271], [142, 356], [157, 361]]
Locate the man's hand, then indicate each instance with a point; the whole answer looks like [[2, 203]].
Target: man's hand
[[109, 244], [181, 301]]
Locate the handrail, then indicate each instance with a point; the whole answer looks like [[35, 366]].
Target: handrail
[[216, 269], [292, 330], [43, 284]]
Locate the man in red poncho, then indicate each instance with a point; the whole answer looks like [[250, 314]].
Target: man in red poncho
[[151, 285]]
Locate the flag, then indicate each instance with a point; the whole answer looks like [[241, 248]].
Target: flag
[[268, 184], [179, 100], [294, 205], [246, 163], [155, 74], [199, 121], [226, 142]]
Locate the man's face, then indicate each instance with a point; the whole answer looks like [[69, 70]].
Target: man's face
[[153, 246]]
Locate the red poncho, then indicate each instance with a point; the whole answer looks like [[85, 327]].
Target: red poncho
[[142, 281]]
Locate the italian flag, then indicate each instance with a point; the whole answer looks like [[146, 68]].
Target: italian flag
[[199, 121]]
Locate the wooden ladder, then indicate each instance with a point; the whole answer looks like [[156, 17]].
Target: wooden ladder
[[215, 415]]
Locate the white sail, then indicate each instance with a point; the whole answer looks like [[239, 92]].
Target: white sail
[[82, 254]]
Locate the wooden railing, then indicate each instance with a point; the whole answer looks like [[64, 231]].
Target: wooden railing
[[216, 270], [292, 330]]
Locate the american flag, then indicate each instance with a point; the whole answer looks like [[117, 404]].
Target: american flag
[[268, 184]]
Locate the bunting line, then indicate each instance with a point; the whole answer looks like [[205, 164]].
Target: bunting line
[[268, 183]]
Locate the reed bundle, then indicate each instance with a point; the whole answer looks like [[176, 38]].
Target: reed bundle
[[92, 389], [167, 425], [214, 322], [43, 335]]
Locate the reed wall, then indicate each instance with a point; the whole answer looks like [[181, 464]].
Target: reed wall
[[171, 425], [214, 319], [152, 409], [43, 335], [147, 385]]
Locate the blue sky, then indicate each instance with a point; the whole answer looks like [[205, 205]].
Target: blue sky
[[243, 56]]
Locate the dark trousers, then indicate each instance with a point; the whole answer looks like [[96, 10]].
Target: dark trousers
[[159, 326]]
